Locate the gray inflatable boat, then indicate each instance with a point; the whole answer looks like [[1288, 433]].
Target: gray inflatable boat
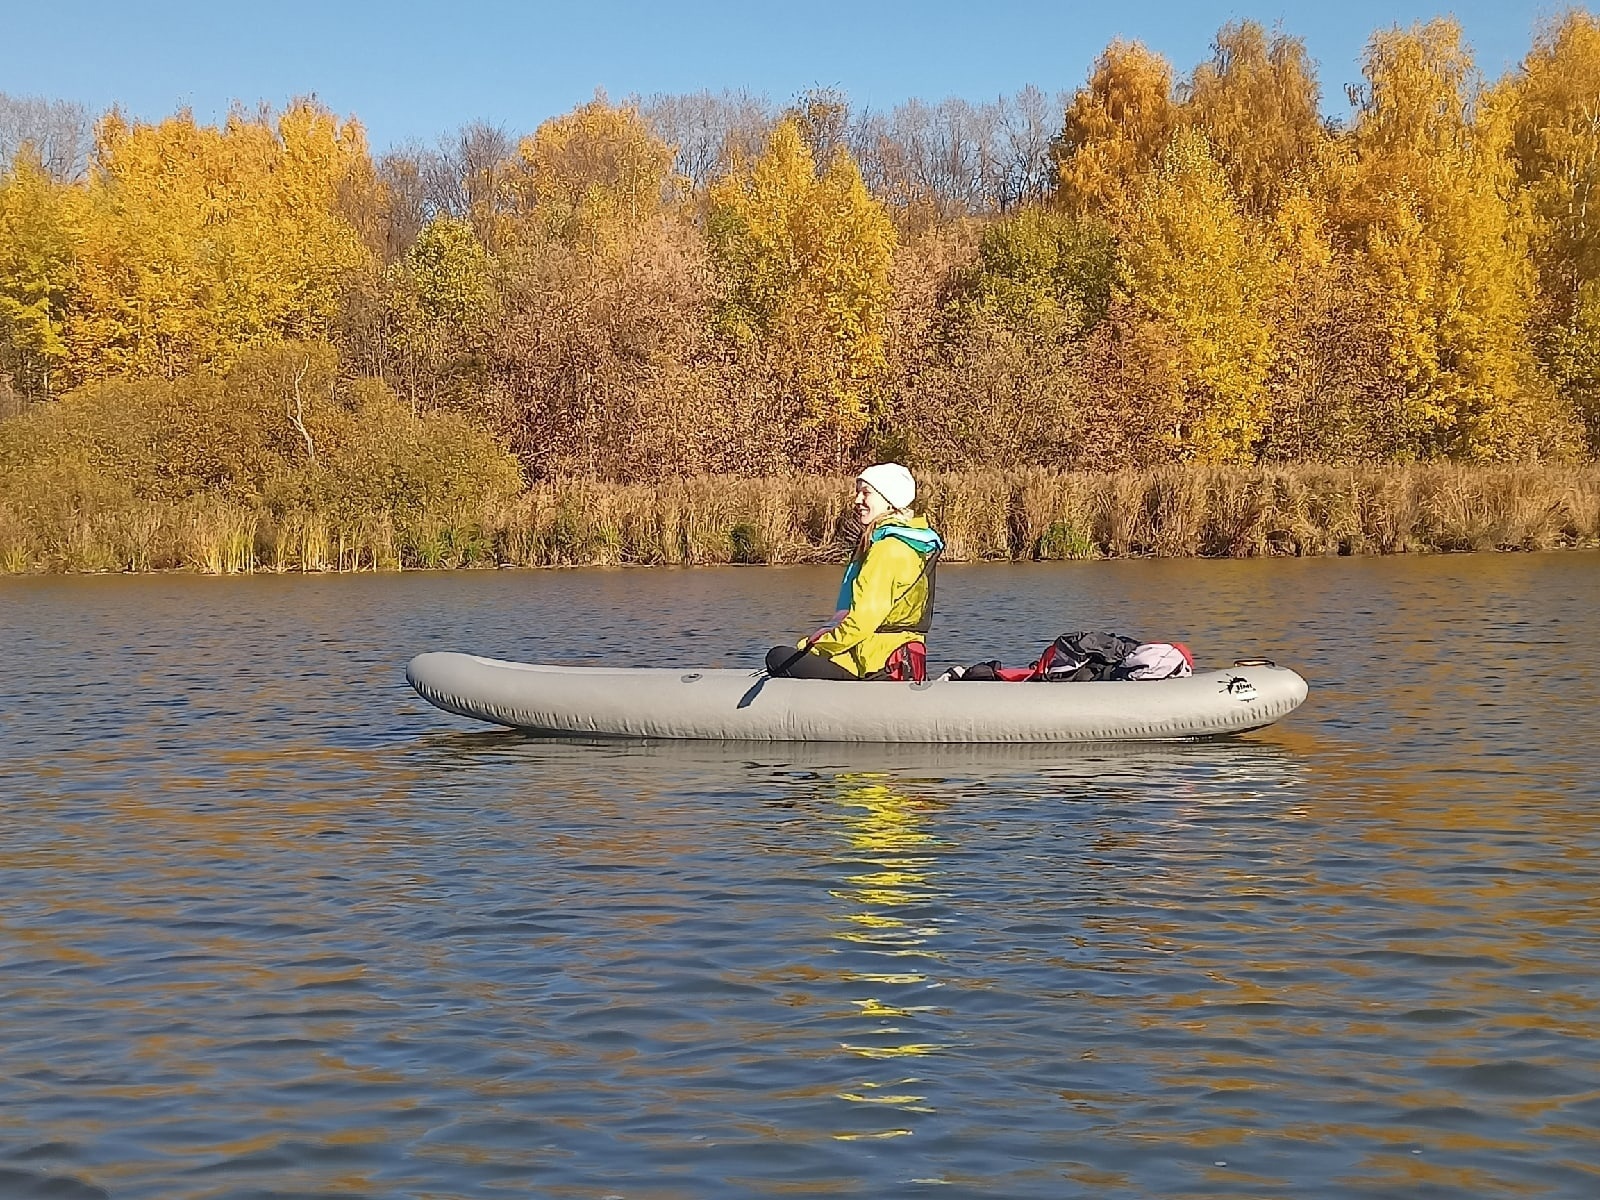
[[750, 706]]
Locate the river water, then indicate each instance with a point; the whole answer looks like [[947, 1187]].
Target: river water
[[272, 927]]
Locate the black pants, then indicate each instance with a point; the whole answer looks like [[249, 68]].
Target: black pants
[[809, 665]]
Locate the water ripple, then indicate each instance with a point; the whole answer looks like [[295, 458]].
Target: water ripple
[[269, 926]]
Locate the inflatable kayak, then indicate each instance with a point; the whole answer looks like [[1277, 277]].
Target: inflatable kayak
[[725, 705]]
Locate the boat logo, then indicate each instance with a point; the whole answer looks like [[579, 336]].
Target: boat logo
[[1238, 685]]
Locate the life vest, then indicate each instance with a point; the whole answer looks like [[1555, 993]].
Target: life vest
[[929, 545]]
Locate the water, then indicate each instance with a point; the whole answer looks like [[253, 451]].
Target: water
[[272, 927]]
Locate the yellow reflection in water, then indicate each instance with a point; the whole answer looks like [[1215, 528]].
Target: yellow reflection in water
[[886, 835]]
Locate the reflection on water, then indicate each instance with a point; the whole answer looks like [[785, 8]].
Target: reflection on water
[[270, 926], [888, 897]]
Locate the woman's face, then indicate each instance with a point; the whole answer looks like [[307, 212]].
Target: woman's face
[[869, 504]]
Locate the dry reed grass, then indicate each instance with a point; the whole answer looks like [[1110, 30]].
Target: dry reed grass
[[1173, 511]]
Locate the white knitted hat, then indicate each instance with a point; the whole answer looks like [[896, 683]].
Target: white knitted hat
[[891, 481]]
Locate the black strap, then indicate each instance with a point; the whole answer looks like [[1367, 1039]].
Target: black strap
[[925, 623]]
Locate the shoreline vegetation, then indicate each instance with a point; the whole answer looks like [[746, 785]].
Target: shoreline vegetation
[[1023, 515], [1162, 313]]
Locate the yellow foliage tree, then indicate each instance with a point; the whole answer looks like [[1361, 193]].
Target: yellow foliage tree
[[1193, 262], [1555, 145], [1428, 202], [1303, 257], [441, 298], [804, 261], [1257, 103], [596, 176], [1116, 128], [201, 240], [1040, 273], [39, 221]]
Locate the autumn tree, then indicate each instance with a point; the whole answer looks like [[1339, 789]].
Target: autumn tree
[[1257, 103], [712, 282], [600, 301], [1555, 146], [1116, 128], [39, 228], [441, 300], [1193, 263], [200, 240], [1042, 273], [596, 176], [804, 262], [1428, 204]]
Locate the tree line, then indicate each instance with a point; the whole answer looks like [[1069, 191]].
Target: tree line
[[1150, 269]]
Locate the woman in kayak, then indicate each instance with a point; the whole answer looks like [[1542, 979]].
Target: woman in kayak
[[885, 605]]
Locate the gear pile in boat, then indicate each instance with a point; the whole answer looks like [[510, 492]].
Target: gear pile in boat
[[1088, 657]]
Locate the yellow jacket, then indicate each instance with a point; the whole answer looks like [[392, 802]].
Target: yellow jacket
[[891, 586]]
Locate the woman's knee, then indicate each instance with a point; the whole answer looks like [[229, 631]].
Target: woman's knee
[[781, 658]]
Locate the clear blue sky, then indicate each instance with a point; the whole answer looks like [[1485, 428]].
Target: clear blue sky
[[410, 70]]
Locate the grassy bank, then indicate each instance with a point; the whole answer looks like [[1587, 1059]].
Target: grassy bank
[[1027, 514]]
